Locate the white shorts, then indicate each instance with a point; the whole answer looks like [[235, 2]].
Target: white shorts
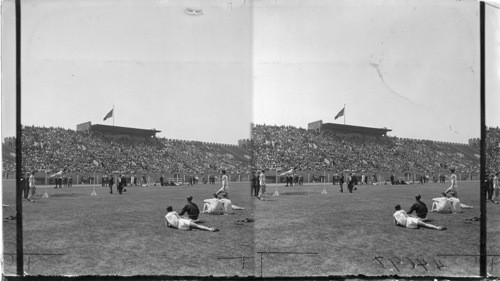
[[184, 224], [411, 222]]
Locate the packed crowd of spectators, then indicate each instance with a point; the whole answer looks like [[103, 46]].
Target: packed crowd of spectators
[[283, 147], [493, 150], [54, 149]]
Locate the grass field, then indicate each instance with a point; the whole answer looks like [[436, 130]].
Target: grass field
[[351, 233], [315, 234], [112, 234]]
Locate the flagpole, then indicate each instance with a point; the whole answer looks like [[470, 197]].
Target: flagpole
[[114, 115], [344, 113], [324, 178]]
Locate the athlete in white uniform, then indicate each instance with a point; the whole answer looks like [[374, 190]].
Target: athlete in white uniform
[[402, 218], [456, 207], [172, 219], [262, 184], [454, 184], [496, 188], [213, 206], [225, 183], [441, 204], [31, 182]]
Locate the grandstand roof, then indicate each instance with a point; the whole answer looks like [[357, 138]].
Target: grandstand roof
[[349, 129], [117, 130]]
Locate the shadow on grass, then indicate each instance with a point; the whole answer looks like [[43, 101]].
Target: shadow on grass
[[67, 195], [294, 193]]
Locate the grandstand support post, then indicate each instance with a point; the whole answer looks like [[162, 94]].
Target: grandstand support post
[[482, 143]]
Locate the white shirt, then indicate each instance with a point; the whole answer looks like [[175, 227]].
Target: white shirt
[[443, 204], [456, 207], [225, 182], [173, 219], [32, 181], [262, 179], [228, 205], [453, 179], [214, 206], [400, 217], [495, 183]]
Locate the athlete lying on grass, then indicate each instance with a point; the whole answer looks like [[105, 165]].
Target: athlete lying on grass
[[402, 218], [172, 219], [219, 206]]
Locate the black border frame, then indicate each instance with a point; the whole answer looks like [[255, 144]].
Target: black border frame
[[19, 175]]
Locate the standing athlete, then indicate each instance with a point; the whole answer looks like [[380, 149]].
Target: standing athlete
[[31, 182], [225, 183], [496, 188], [453, 187], [262, 185]]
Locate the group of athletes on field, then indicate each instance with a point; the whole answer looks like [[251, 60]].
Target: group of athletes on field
[[447, 203]]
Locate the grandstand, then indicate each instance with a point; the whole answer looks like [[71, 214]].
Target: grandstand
[[347, 130], [83, 152], [492, 150], [117, 131], [282, 147], [274, 147]]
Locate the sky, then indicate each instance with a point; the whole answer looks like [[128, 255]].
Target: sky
[[188, 76], [411, 66]]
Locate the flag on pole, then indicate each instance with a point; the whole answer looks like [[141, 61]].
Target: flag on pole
[[340, 114], [327, 162], [288, 172], [109, 115], [95, 163], [57, 174]]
